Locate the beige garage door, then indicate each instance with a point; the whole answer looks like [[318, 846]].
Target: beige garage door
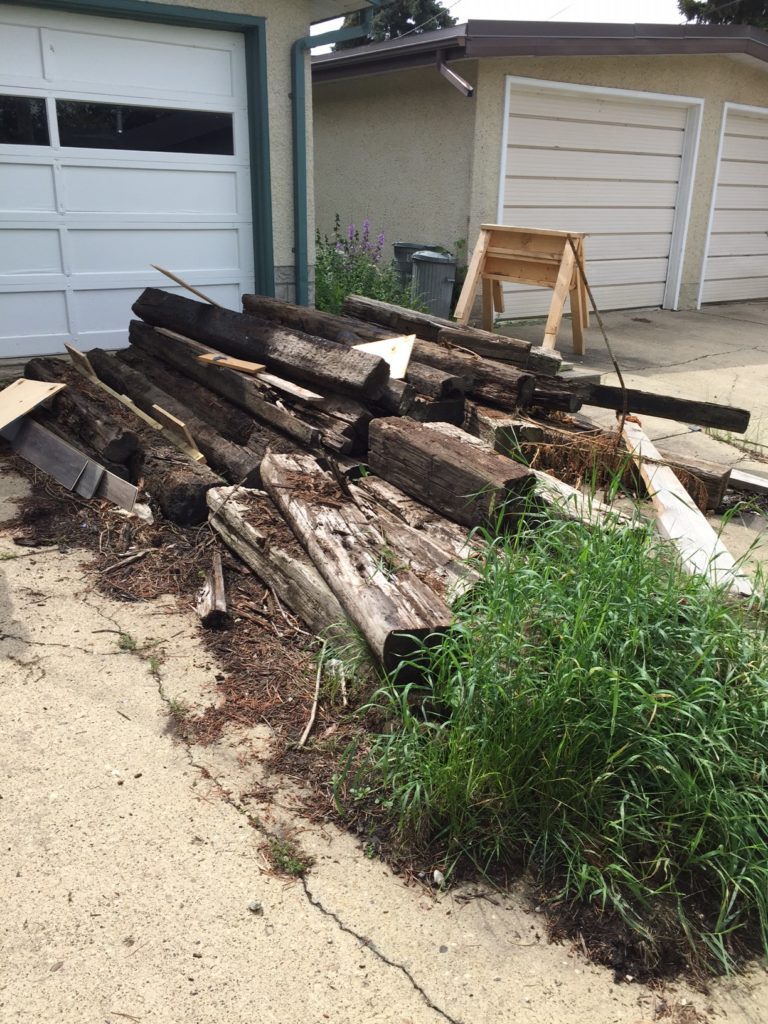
[[611, 163], [737, 256]]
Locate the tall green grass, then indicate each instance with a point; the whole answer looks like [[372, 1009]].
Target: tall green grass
[[604, 717]]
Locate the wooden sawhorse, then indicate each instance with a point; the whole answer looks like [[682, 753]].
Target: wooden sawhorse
[[528, 256]]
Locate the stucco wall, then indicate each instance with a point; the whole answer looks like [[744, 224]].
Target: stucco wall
[[285, 23], [396, 149], [715, 79]]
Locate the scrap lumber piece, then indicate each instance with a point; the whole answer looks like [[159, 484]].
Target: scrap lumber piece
[[231, 422], [22, 396], [493, 382], [237, 464], [430, 463], [343, 329], [556, 395], [342, 422], [425, 325], [394, 609], [82, 416], [250, 524], [243, 365], [428, 380], [211, 600], [176, 483], [753, 483], [494, 346], [679, 520], [289, 353], [648, 403], [181, 353]]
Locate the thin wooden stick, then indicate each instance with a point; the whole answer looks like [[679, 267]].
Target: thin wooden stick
[[313, 713], [185, 284]]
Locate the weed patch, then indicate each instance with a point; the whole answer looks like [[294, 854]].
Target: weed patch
[[603, 719]]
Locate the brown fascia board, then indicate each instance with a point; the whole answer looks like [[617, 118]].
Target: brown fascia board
[[542, 39]]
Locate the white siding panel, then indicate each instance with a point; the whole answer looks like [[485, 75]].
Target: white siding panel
[[148, 190], [116, 63], [136, 249], [605, 163], [29, 251], [602, 193], [557, 135], [20, 54], [622, 166], [737, 254], [27, 314], [26, 187], [108, 310], [597, 108]]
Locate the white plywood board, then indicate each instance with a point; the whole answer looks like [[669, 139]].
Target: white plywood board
[[22, 396]]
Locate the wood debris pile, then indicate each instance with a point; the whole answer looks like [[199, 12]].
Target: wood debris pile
[[349, 491]]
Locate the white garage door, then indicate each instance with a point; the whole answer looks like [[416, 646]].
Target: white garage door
[[121, 144], [613, 164], [737, 256]]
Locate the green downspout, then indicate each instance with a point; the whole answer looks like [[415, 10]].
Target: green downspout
[[299, 137]]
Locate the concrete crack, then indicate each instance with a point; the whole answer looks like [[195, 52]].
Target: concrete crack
[[363, 940]]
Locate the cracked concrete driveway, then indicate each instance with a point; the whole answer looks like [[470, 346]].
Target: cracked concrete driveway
[[128, 859]]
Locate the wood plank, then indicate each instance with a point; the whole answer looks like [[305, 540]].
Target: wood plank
[[174, 427], [463, 310], [120, 492], [565, 280], [679, 520], [243, 365], [394, 609], [22, 396], [753, 483], [90, 479]]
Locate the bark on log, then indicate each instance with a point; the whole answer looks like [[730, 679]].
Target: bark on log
[[178, 485], [504, 433], [555, 397], [396, 399], [256, 399], [297, 356], [493, 382], [231, 422], [343, 329], [251, 525], [430, 463], [425, 325], [83, 417], [647, 403], [443, 410], [391, 606], [238, 465], [493, 346]]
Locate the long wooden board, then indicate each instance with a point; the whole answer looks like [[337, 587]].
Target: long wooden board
[[679, 520]]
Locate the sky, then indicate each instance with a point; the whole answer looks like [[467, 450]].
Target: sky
[[648, 11]]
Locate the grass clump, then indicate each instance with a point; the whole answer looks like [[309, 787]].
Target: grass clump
[[287, 858], [603, 717]]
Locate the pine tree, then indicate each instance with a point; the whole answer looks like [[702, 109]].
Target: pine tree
[[721, 12], [399, 18]]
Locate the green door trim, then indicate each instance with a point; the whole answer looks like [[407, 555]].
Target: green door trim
[[254, 31]]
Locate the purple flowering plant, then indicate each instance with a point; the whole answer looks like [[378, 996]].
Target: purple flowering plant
[[351, 262]]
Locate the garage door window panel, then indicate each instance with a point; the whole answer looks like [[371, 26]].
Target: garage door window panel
[[23, 121], [86, 125]]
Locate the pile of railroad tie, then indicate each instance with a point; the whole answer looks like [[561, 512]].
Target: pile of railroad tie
[[287, 415]]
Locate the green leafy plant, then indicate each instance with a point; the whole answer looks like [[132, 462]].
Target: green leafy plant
[[287, 858], [352, 263], [603, 718]]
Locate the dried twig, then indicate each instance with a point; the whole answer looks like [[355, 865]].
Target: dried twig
[[313, 713]]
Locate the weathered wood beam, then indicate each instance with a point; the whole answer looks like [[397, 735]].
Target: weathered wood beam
[[394, 609], [290, 353], [429, 462]]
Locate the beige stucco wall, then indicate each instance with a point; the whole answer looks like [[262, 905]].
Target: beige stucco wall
[[286, 21], [396, 149], [410, 152], [714, 79]]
